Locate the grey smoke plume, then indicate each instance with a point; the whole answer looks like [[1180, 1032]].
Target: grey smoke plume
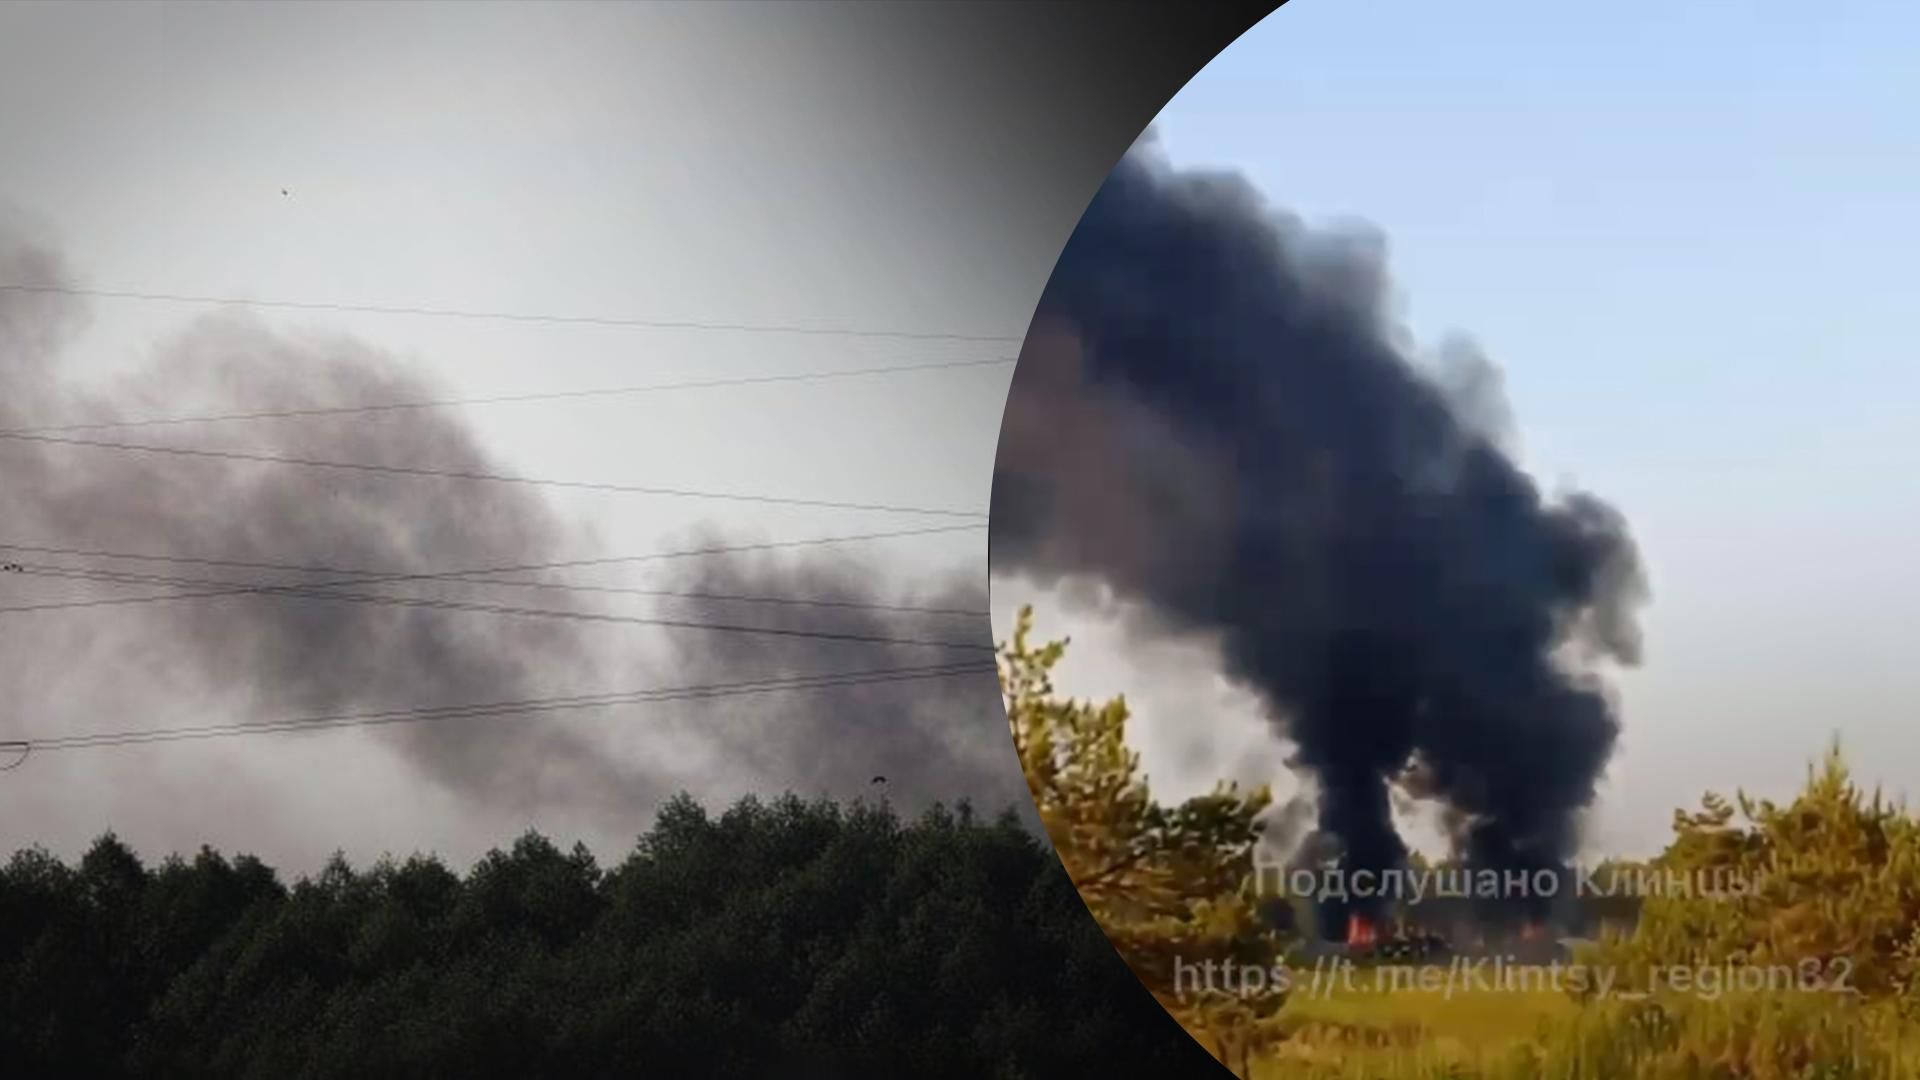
[[944, 737], [1215, 416], [266, 655]]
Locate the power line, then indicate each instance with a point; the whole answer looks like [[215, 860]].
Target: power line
[[497, 478], [809, 376], [312, 592], [315, 592], [478, 575], [324, 722], [463, 578], [364, 719], [588, 320]]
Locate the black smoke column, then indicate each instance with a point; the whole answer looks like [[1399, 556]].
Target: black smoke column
[[1214, 416]]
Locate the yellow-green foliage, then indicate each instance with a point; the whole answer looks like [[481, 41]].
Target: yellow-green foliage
[[1740, 1038], [1831, 881], [1832, 876], [1165, 883]]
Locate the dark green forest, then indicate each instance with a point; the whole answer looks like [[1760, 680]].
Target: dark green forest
[[777, 938]]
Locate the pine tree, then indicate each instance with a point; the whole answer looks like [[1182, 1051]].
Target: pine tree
[[1828, 885], [1170, 886]]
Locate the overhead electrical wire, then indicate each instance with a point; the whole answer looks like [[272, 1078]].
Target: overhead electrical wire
[[587, 320], [337, 410], [29, 745], [557, 586], [326, 590], [431, 603], [474, 575], [496, 478]]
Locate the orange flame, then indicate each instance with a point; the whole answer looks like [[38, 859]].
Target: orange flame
[[1360, 930]]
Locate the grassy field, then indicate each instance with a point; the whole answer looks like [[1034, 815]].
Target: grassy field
[[1339, 1025], [1542, 1034], [1831, 876]]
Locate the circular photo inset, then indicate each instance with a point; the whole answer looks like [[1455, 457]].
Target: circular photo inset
[[1322, 632]]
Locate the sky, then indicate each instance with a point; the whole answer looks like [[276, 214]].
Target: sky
[[1682, 234], [682, 162], [1685, 234]]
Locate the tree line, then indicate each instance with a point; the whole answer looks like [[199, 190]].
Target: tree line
[[784, 937]]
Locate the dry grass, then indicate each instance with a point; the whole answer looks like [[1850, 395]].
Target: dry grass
[[1545, 1035]]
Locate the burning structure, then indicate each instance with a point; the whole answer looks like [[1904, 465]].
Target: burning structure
[[1215, 418], [1441, 926], [1361, 931]]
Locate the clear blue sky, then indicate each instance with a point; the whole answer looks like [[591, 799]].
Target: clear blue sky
[[1687, 234]]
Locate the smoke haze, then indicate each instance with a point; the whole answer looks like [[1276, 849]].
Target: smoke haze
[[144, 665]]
